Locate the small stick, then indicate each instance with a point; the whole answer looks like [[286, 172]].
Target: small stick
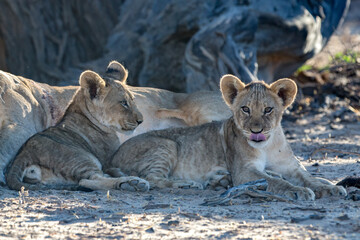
[[354, 110], [333, 150], [265, 194], [322, 210], [251, 189]]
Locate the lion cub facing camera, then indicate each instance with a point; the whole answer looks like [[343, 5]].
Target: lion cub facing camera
[[243, 147], [70, 155]]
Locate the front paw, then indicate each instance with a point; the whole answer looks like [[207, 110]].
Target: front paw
[[329, 190], [218, 180], [300, 193], [282, 187], [132, 184]]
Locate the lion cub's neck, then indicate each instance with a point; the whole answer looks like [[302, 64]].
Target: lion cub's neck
[[102, 141]]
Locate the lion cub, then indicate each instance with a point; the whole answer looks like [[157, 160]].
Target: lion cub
[[244, 146], [70, 155]]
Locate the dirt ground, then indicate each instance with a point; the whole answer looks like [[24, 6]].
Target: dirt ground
[[173, 213], [323, 129]]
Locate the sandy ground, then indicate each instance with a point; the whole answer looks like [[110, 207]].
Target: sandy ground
[[174, 213]]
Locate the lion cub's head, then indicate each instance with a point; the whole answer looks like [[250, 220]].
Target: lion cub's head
[[257, 106], [109, 101]]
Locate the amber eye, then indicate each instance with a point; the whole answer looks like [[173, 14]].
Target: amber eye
[[268, 110], [245, 109], [124, 104]]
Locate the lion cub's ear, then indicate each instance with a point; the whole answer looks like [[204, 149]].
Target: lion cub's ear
[[117, 71], [92, 83], [286, 89], [230, 87]]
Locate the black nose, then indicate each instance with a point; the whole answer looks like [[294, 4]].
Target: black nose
[[257, 131], [139, 121]]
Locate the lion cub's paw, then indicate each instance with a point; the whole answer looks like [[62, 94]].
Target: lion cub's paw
[[219, 180], [300, 193], [32, 174], [330, 190], [132, 184]]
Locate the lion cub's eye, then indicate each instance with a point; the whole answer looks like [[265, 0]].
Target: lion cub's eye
[[268, 110], [245, 109], [124, 103]]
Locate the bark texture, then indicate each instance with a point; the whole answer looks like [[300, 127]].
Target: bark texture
[[172, 44]]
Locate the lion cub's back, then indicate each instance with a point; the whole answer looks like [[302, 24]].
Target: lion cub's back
[[189, 150]]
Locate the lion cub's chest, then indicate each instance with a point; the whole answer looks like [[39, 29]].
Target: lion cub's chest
[[260, 161]]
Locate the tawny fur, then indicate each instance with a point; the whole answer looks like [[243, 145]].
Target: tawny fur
[[198, 108], [71, 154], [218, 153]]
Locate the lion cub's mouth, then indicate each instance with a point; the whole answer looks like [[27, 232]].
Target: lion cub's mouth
[[257, 137]]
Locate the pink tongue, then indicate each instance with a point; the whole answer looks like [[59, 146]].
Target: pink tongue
[[257, 137]]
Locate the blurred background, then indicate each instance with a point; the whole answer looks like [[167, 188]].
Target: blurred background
[[177, 45]]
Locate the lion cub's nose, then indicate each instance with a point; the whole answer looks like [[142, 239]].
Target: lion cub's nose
[[139, 121]]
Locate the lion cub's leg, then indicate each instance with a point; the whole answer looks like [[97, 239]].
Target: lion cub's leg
[[285, 163], [115, 172], [275, 184], [157, 169], [85, 169], [155, 160], [100, 182], [161, 181], [320, 186], [294, 172], [285, 188]]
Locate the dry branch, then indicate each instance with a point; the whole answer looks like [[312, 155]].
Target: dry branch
[[252, 189], [333, 150]]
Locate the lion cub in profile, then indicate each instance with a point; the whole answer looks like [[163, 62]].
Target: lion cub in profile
[[70, 155], [244, 146]]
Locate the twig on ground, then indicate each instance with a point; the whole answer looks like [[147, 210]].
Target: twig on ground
[[333, 150], [322, 210], [310, 217], [354, 110], [252, 189], [156, 206], [22, 196]]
